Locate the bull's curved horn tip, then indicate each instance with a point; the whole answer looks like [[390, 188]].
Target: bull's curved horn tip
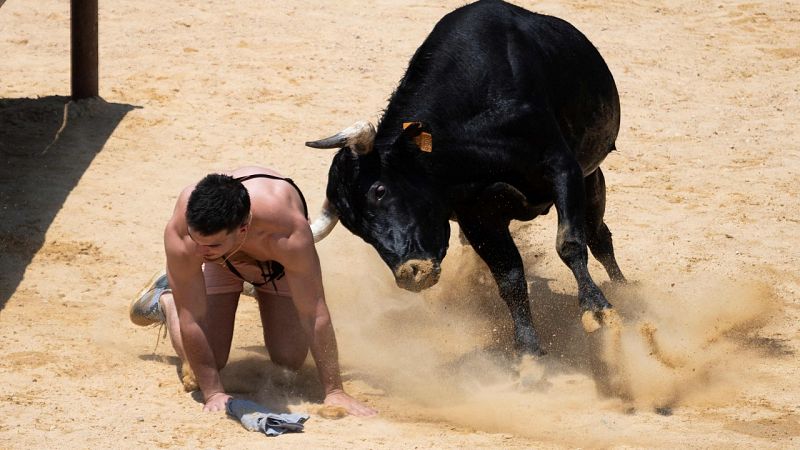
[[324, 224], [322, 143]]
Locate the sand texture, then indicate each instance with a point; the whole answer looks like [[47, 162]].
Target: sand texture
[[703, 201]]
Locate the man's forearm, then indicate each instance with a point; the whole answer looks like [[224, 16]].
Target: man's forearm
[[201, 359], [323, 348]]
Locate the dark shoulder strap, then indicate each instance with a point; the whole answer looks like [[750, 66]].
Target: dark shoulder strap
[[236, 272], [257, 175], [273, 177]]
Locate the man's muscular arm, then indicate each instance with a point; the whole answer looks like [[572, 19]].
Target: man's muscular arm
[[303, 273], [185, 274]]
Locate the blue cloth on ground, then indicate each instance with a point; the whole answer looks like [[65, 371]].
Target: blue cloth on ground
[[255, 417]]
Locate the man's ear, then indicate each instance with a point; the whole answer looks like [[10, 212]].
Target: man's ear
[[416, 131], [243, 228]]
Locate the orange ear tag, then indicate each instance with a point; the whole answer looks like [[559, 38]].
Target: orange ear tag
[[423, 140]]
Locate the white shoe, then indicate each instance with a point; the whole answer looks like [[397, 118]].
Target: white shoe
[[146, 309]]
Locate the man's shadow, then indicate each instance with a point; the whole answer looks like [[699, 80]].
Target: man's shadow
[[254, 377], [46, 144]]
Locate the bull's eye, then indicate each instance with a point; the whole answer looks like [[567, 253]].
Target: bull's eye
[[376, 192]]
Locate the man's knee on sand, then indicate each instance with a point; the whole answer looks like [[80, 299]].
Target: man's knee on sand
[[291, 359]]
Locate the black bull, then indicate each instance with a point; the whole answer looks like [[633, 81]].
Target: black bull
[[501, 114]]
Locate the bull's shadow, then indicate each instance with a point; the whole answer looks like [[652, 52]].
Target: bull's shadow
[[46, 144]]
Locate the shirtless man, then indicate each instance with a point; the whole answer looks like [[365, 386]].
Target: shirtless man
[[246, 225]]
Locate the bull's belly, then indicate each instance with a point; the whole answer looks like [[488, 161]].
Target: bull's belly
[[597, 142], [540, 209], [588, 167]]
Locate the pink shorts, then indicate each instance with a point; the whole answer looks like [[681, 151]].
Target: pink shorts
[[220, 280]]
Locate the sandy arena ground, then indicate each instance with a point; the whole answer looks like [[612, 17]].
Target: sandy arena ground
[[703, 200]]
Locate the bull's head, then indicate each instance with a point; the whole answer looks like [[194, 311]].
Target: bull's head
[[381, 194]]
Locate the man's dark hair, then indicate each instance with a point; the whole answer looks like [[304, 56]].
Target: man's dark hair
[[218, 202]]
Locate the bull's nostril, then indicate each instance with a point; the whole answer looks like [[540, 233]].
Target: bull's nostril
[[416, 275]]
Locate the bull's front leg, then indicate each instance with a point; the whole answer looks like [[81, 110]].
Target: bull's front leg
[[494, 244], [570, 203]]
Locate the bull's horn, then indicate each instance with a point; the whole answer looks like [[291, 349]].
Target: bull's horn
[[359, 137], [323, 224]]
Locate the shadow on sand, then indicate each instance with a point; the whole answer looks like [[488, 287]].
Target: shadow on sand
[[46, 144]]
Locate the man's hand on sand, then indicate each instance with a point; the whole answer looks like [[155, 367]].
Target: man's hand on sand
[[353, 406], [216, 402]]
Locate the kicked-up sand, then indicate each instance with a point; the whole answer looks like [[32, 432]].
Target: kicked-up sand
[[702, 201]]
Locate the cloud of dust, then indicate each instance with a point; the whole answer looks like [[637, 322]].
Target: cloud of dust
[[692, 345], [444, 355]]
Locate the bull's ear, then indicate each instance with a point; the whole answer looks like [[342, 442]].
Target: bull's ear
[[417, 132]]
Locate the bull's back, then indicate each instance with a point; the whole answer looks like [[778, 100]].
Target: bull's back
[[491, 68]]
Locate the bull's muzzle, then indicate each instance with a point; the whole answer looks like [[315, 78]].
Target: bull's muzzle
[[417, 274]]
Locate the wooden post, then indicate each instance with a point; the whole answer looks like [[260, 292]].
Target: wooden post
[[84, 48]]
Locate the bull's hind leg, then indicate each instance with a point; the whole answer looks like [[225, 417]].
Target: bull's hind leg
[[598, 235], [493, 242], [570, 203]]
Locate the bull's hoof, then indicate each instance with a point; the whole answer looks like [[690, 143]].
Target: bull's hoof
[[593, 320], [187, 378], [527, 349], [527, 344], [531, 373]]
